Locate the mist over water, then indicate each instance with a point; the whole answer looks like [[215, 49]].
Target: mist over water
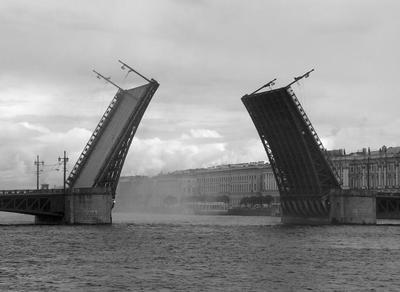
[[142, 252], [7, 218]]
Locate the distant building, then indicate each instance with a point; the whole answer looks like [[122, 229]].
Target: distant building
[[235, 181], [133, 193], [178, 185], [377, 170]]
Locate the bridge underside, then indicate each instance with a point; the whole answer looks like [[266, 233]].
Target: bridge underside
[[303, 172], [304, 207], [103, 157], [76, 206], [34, 204], [388, 206]]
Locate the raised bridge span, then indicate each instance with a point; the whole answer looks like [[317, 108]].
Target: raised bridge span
[[309, 186], [93, 180], [303, 171]]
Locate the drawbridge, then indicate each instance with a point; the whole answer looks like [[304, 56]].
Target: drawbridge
[[303, 171], [103, 157], [93, 180]]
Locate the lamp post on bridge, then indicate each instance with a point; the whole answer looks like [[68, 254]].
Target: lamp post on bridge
[[38, 163], [368, 168], [64, 160]]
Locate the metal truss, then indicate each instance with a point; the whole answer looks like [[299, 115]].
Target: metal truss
[[388, 208], [388, 205], [33, 204], [316, 138], [303, 206]]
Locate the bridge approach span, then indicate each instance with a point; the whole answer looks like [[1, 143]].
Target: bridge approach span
[[33, 202]]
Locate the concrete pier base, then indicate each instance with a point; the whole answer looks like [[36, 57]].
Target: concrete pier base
[[83, 206], [339, 207], [88, 206], [352, 207], [48, 220], [305, 210]]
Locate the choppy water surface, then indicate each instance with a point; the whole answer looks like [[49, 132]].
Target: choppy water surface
[[199, 253]]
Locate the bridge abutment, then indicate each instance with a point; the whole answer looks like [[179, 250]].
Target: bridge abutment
[[352, 207], [343, 207], [305, 210], [88, 206], [83, 206], [47, 220]]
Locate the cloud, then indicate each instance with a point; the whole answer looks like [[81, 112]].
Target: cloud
[[22, 142], [204, 133], [37, 128], [201, 133], [152, 156]]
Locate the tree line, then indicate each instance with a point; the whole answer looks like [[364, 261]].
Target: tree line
[[246, 201], [256, 201]]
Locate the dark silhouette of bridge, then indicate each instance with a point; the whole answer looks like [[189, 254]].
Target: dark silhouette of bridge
[[303, 171], [307, 179], [93, 180]]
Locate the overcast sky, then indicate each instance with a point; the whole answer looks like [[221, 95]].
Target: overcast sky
[[205, 55]]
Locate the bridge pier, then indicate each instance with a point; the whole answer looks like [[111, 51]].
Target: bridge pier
[[342, 207], [304, 210], [88, 206], [48, 220], [352, 207], [83, 206]]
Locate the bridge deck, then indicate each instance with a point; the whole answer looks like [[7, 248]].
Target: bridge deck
[[303, 172], [291, 142], [102, 159]]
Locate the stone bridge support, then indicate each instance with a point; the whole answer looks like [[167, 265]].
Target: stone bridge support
[[83, 206], [352, 207]]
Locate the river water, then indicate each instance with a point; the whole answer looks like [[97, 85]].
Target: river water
[[198, 253]]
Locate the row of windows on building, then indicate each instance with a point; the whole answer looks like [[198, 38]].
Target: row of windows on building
[[360, 167], [229, 188], [378, 179], [254, 181], [375, 170], [222, 181], [227, 178]]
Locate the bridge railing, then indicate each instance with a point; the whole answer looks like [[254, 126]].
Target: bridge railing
[[93, 139], [53, 191], [27, 192], [315, 136]]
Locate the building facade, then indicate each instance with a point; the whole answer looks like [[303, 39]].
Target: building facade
[[237, 181], [232, 181], [133, 193], [375, 170], [365, 169]]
